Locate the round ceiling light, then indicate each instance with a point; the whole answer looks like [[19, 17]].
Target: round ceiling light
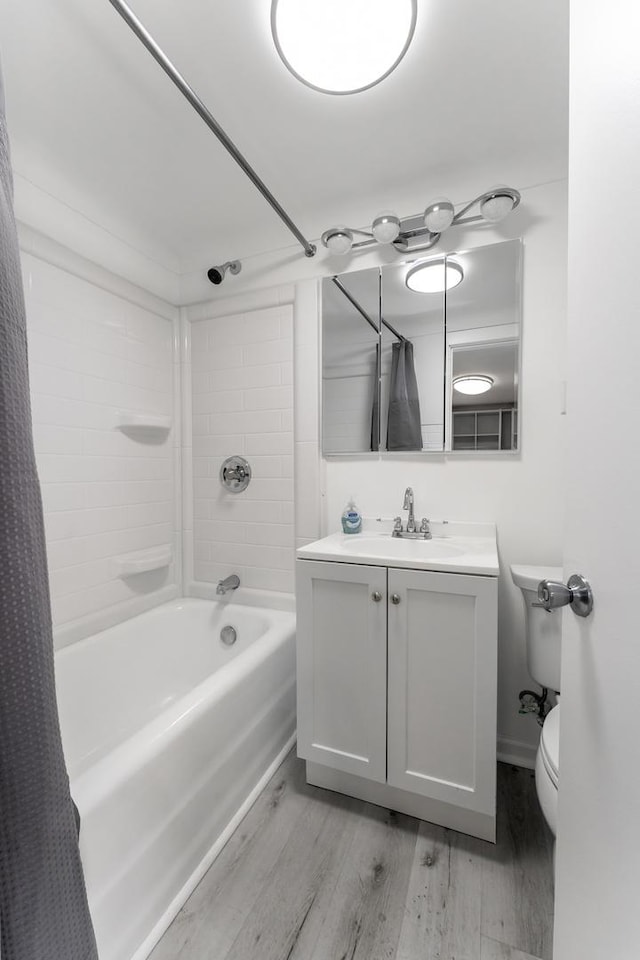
[[434, 276], [342, 46], [473, 384]]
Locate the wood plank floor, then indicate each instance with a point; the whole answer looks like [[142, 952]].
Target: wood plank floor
[[312, 875]]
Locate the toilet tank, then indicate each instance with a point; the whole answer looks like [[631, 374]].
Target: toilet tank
[[543, 630]]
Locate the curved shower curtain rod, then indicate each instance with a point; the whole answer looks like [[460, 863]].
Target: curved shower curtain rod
[[191, 96]]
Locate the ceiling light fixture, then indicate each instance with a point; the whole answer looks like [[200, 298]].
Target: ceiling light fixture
[[434, 276], [342, 46], [421, 231], [473, 384]]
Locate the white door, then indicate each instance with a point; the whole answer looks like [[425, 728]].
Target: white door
[[598, 849], [442, 687], [342, 666]]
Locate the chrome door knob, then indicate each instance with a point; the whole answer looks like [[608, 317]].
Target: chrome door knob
[[376, 596], [395, 598], [577, 594]]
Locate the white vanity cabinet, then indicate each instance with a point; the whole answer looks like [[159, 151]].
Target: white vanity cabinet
[[342, 666], [397, 688]]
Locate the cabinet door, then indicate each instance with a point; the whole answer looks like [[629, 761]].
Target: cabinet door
[[342, 666], [442, 687]]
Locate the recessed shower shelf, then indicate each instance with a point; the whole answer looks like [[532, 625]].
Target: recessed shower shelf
[[143, 561], [144, 426]]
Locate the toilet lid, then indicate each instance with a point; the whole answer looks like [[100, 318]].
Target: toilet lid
[[550, 743]]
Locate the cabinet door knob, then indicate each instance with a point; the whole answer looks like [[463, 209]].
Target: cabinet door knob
[[395, 598], [377, 596]]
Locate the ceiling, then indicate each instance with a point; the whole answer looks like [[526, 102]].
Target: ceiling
[[480, 98]]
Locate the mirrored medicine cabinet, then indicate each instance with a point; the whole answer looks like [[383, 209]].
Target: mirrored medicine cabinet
[[424, 356]]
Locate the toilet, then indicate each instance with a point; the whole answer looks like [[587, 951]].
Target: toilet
[[544, 635]]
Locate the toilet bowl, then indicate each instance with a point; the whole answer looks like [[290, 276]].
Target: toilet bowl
[[547, 768], [544, 635]]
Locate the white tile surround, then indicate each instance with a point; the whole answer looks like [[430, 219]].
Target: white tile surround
[[242, 403], [97, 348]]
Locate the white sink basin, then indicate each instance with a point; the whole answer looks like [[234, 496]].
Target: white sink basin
[[397, 547], [455, 548]]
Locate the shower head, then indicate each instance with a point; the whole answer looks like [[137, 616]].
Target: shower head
[[216, 274]]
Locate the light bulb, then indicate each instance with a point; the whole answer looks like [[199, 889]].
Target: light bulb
[[473, 384], [439, 215], [386, 227], [434, 276], [338, 240], [342, 46], [498, 203]]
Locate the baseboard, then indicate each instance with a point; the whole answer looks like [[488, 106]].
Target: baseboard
[[181, 898], [517, 752]]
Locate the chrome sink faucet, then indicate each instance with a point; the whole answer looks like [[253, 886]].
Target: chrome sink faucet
[[229, 583], [408, 505], [411, 532]]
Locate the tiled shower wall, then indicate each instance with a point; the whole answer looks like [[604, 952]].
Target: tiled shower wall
[[92, 354], [242, 403]]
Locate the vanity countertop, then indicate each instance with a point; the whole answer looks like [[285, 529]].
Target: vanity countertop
[[455, 547]]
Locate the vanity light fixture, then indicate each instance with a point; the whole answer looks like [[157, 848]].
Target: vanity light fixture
[[386, 227], [338, 240], [473, 384], [434, 276], [421, 231], [342, 46]]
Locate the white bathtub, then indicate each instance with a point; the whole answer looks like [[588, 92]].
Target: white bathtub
[[168, 735]]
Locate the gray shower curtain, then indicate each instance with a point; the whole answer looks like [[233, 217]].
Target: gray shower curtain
[[404, 431], [43, 905]]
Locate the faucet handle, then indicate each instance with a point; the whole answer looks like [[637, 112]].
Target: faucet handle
[[424, 529], [397, 524]]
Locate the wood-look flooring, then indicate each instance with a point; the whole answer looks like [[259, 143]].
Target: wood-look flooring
[[313, 875]]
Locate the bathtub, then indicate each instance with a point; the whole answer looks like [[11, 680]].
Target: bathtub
[[169, 734]]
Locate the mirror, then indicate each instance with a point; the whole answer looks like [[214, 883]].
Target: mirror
[[350, 361], [424, 356], [483, 349], [412, 368]]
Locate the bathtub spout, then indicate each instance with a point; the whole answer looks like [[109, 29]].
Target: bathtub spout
[[229, 583]]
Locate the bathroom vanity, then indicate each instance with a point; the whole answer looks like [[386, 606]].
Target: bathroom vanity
[[397, 656]]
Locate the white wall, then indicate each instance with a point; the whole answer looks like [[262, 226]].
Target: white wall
[[97, 346], [242, 403]]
